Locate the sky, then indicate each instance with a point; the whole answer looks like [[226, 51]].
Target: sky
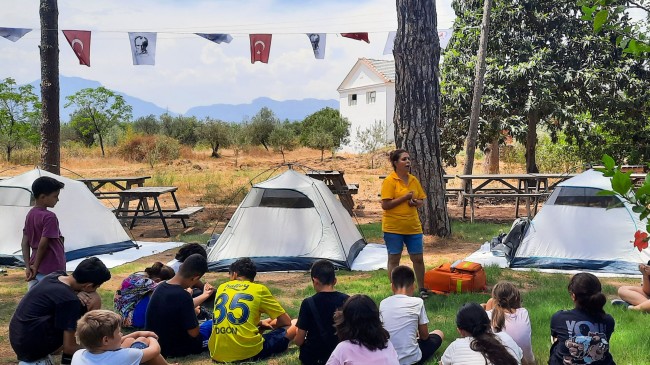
[[192, 71]]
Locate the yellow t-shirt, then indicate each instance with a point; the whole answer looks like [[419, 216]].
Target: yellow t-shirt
[[237, 308], [403, 219]]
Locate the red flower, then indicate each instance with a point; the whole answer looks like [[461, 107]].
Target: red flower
[[641, 240]]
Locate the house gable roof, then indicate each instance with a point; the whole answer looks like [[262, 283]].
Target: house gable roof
[[383, 70]]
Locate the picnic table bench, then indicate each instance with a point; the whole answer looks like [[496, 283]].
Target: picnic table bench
[[337, 185], [142, 194], [531, 187]]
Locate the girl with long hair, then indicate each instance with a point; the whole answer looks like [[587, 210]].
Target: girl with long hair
[[581, 335], [401, 196], [133, 296], [478, 345], [363, 338], [506, 314]]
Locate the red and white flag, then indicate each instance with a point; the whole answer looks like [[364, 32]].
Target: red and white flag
[[260, 47], [79, 40], [357, 36]]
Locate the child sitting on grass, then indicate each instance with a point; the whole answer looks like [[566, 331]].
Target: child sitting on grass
[[506, 314], [99, 331], [406, 320], [363, 338]]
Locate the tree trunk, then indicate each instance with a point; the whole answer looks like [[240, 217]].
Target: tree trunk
[[101, 143], [322, 153], [215, 151], [491, 162], [49, 49], [417, 106], [472, 134], [531, 142]]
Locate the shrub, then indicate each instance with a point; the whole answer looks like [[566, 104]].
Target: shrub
[[150, 149]]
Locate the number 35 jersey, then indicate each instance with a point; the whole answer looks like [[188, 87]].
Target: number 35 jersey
[[237, 308]]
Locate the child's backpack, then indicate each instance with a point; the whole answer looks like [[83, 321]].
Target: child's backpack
[[459, 277]]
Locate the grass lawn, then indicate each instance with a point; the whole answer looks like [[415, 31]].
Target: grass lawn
[[543, 295]]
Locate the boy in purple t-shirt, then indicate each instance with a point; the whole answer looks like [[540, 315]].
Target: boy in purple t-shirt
[[41, 234]]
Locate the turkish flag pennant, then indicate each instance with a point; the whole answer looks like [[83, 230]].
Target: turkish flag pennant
[[260, 47], [79, 40], [357, 36]]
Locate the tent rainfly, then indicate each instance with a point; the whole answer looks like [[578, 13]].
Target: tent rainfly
[[88, 226], [575, 231], [287, 223]]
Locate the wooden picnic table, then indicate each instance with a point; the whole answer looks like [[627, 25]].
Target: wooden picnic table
[[528, 186], [142, 194], [121, 183], [336, 183]]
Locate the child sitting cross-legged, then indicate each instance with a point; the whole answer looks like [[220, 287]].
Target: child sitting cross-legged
[[99, 331]]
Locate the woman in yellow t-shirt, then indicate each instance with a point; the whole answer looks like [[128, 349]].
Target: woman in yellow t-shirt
[[401, 195]]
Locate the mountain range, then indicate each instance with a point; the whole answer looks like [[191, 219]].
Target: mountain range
[[287, 109]]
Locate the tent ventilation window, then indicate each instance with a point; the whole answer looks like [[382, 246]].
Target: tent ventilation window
[[284, 198], [582, 197]]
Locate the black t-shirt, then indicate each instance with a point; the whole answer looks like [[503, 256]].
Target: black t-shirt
[[45, 312], [316, 349], [170, 315], [581, 338]]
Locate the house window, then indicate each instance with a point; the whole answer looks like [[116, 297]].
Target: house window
[[371, 97], [352, 99]]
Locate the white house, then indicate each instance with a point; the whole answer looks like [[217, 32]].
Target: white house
[[367, 97], [367, 94]]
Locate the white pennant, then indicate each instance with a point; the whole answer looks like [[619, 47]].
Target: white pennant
[[13, 34], [143, 48], [318, 41]]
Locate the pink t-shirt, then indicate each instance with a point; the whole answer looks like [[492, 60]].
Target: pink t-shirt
[[40, 222], [347, 353]]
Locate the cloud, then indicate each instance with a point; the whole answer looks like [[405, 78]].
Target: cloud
[[192, 71]]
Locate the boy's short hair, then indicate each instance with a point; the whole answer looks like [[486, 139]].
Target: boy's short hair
[[194, 265], [324, 271], [96, 324], [46, 185], [91, 270], [244, 267], [402, 276], [190, 249]]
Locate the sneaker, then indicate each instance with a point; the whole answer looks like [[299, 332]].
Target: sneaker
[[204, 314], [424, 294], [620, 303]]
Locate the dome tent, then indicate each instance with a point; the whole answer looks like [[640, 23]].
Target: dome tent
[[574, 230], [287, 223], [88, 226]]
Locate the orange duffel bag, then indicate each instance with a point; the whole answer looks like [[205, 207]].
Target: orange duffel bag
[[462, 277]]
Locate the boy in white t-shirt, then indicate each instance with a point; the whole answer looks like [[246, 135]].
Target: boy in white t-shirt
[[405, 318], [100, 333]]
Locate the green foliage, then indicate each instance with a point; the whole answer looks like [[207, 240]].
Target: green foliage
[[546, 68], [19, 116], [325, 129], [96, 111], [614, 16], [558, 157], [283, 138], [261, 126], [622, 186], [371, 139], [146, 125], [239, 138], [181, 128], [150, 149], [215, 133]]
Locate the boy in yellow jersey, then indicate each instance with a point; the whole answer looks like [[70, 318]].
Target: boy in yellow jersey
[[237, 330]]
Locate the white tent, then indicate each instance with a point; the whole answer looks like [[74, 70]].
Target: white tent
[[575, 231], [287, 223], [88, 226]]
